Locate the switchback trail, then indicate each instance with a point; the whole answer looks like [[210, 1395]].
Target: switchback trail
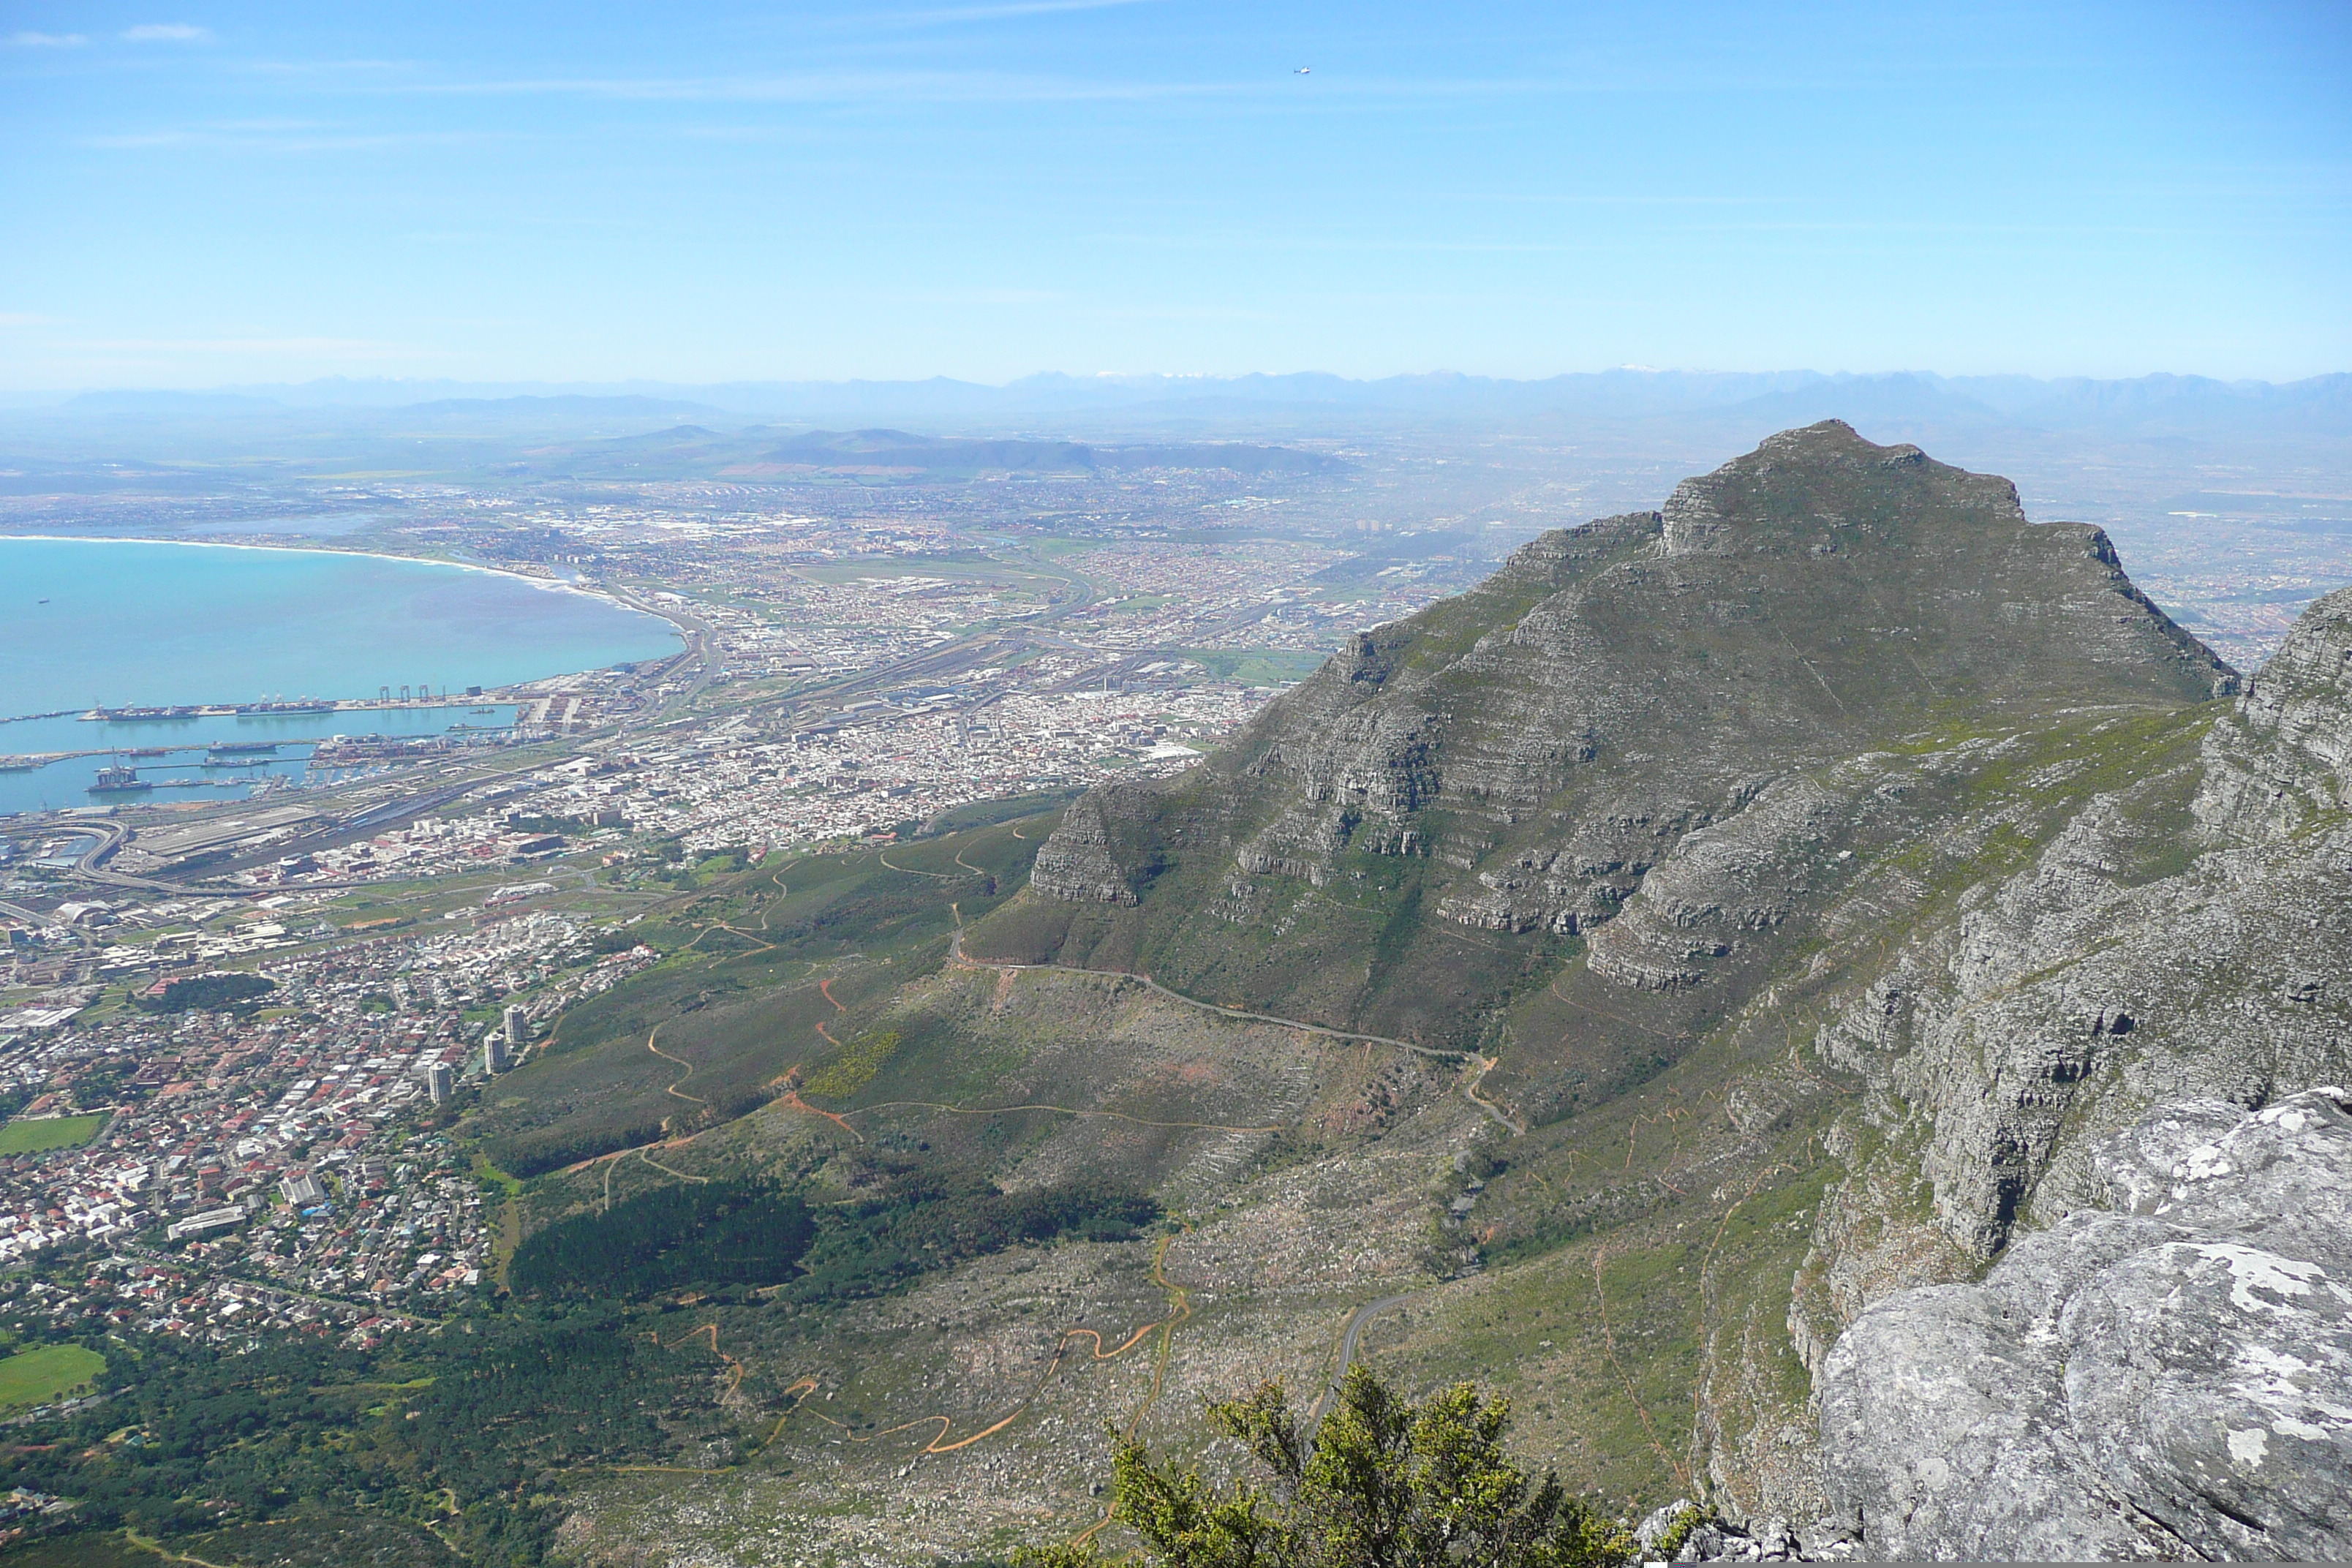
[[1484, 1065], [1180, 1308], [681, 1061], [790, 1099], [884, 855]]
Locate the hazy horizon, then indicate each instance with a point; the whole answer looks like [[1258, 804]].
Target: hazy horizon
[[628, 386]]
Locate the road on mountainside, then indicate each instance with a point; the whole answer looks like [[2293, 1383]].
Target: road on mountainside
[[1363, 1315], [1469, 1090]]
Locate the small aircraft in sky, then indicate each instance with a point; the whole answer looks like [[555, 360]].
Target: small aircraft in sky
[[1302, 70]]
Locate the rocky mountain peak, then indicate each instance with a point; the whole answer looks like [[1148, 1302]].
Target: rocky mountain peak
[[1822, 491], [1519, 759], [1836, 866]]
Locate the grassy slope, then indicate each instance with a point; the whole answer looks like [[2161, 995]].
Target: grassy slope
[[742, 988]]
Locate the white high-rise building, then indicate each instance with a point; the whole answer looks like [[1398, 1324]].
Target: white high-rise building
[[438, 1081]]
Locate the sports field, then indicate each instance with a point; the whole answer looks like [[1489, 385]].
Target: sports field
[[33, 1135], [37, 1375]]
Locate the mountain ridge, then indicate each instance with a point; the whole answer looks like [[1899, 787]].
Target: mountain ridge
[[1883, 950], [1497, 752]]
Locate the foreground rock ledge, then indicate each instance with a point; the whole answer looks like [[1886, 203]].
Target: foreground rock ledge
[[2168, 1377]]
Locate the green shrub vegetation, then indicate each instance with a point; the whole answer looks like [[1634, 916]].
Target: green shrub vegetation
[[854, 1069], [211, 993], [1381, 1483]]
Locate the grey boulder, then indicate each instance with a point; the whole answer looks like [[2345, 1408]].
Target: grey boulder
[[2169, 1376]]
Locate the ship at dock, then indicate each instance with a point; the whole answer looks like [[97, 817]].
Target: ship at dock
[[134, 715], [274, 709], [118, 779]]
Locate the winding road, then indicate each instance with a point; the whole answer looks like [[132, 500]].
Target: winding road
[[1363, 1315]]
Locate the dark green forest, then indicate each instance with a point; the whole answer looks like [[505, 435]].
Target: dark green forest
[[317, 1449], [192, 1437], [689, 1235], [883, 1243], [712, 1234], [210, 992]]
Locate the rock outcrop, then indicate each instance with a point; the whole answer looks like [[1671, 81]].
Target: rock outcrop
[[2169, 1376], [2285, 756]]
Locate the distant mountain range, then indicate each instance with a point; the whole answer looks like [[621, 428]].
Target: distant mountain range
[[2144, 405], [760, 452]]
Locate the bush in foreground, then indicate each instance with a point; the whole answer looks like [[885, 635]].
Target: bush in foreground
[[1383, 1483]]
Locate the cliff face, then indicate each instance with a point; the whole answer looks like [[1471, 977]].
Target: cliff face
[[1834, 842], [2284, 759], [2187, 939], [2188, 933]]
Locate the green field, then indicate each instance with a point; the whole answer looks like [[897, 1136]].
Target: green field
[[37, 1375], [34, 1135]]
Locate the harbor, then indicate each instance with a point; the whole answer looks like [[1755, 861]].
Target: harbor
[[234, 751], [275, 708]]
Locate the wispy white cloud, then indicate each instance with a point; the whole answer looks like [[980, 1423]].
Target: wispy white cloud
[[827, 87], [363, 347], [277, 136], [978, 296], [320, 68], [24, 319], [1003, 10], [855, 85], [47, 40], [166, 32]]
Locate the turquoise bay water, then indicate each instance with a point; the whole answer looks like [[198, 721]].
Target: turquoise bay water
[[136, 623], [132, 622]]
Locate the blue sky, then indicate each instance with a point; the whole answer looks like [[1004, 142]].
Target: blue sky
[[199, 194]]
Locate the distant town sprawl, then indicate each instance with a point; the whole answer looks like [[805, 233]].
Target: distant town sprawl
[[263, 1153]]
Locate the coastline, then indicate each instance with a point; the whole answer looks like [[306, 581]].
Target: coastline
[[683, 634], [553, 584]]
